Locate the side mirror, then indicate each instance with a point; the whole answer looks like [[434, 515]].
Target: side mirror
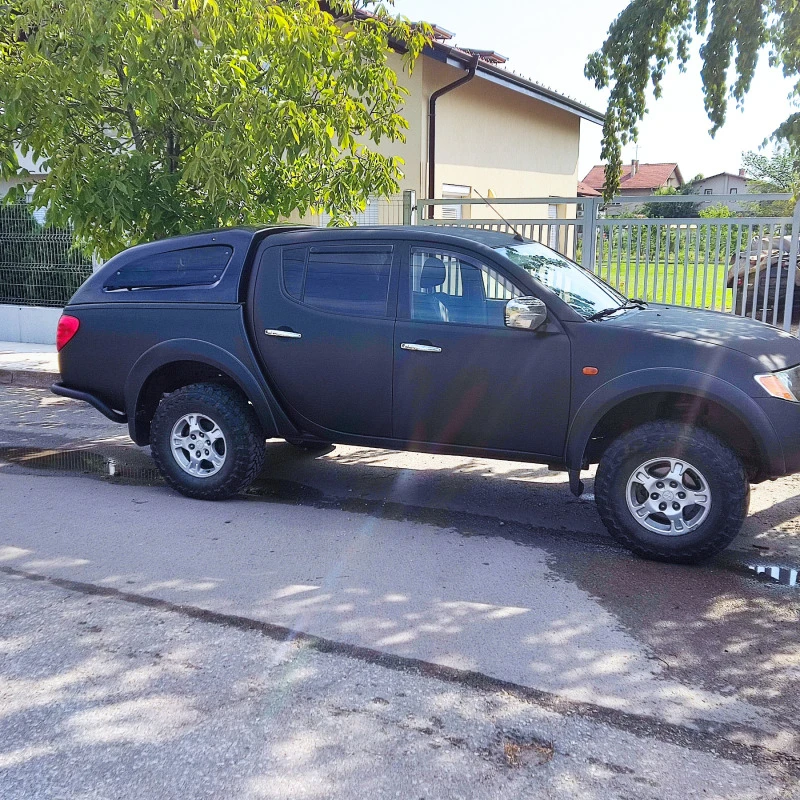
[[529, 313]]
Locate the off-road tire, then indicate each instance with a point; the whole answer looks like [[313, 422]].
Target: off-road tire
[[727, 479], [244, 440]]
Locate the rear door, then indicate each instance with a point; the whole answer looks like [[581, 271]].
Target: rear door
[[324, 316], [461, 376]]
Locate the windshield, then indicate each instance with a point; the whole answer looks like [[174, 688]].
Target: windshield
[[577, 287]]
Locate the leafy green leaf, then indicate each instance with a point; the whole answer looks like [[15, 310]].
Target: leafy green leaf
[[158, 119]]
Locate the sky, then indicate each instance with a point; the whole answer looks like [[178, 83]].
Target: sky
[[549, 42]]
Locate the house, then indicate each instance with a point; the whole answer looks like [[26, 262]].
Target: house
[[478, 128], [584, 190], [726, 183], [638, 180]]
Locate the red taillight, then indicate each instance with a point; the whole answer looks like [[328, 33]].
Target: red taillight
[[67, 328]]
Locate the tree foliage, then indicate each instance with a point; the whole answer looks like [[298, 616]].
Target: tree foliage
[[650, 34], [779, 172], [673, 210], [157, 117]]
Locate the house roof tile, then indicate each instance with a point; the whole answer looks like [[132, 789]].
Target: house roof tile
[[648, 176], [584, 190]]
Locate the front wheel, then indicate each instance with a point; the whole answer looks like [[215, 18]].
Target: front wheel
[[206, 441], [672, 492]]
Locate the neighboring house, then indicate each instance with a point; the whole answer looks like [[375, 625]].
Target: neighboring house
[[638, 180], [584, 190], [723, 183]]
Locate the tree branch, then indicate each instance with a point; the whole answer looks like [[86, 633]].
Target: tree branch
[[136, 132]]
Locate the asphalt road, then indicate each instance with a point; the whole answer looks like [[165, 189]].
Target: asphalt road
[[483, 579]]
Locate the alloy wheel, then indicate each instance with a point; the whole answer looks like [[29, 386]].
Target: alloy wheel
[[668, 496], [198, 445]]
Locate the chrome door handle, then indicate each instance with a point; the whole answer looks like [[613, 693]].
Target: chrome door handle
[[420, 348], [283, 334]]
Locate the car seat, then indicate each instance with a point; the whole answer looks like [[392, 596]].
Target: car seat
[[426, 305]]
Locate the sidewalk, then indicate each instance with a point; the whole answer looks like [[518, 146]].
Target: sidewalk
[[34, 365]]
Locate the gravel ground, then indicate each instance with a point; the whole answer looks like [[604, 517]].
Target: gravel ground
[[103, 698], [472, 632]]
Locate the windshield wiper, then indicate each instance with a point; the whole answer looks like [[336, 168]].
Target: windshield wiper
[[628, 305]]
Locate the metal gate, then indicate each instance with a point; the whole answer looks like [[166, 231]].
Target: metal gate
[[747, 265]]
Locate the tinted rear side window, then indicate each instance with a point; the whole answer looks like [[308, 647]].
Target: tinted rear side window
[[193, 266], [347, 280]]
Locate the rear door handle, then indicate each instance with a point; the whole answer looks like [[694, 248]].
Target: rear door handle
[[283, 334], [420, 348]]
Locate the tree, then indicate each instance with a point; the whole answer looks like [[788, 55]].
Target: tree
[[718, 240], [649, 34], [674, 210], [777, 173], [158, 117]]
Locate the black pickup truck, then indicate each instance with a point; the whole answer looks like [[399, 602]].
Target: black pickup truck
[[437, 340]]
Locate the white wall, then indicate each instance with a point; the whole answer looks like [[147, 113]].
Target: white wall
[[723, 184], [28, 324]]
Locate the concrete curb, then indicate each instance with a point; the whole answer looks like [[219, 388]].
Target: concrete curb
[[28, 378]]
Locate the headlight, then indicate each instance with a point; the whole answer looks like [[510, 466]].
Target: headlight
[[784, 384]]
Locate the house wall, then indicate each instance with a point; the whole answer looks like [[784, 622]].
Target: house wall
[[493, 139], [489, 139], [412, 150], [722, 184], [636, 192], [674, 181]]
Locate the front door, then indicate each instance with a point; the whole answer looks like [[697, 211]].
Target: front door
[[324, 318], [461, 376]]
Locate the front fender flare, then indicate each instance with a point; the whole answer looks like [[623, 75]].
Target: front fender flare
[[273, 421], [679, 381]]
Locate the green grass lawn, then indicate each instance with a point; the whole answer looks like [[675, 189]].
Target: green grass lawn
[[649, 282]]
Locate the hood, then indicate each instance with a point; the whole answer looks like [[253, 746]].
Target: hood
[[773, 348]]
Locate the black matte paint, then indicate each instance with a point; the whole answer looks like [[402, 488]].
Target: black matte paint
[[493, 392]]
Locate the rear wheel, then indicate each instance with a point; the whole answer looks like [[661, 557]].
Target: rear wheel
[[672, 492], [207, 442]]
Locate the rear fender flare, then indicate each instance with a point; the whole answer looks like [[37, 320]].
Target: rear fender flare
[[176, 350], [683, 381]]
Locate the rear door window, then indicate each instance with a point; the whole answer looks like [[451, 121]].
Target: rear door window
[[192, 266], [352, 280]]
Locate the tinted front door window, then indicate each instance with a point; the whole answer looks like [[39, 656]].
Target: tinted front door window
[[445, 287]]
